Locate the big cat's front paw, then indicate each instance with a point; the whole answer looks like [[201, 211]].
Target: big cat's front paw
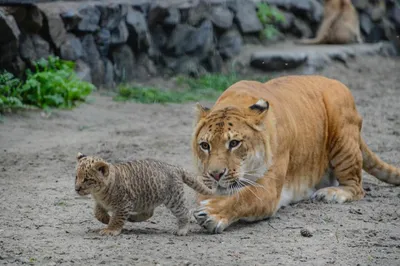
[[208, 216]]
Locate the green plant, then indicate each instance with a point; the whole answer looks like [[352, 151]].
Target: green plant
[[207, 87], [269, 16], [9, 91], [154, 95], [53, 83], [217, 82]]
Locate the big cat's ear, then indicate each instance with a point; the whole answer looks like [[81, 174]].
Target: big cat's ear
[[260, 106], [201, 112], [80, 156], [259, 111], [102, 167]]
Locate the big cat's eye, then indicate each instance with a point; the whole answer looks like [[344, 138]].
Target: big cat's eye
[[205, 146], [233, 144]]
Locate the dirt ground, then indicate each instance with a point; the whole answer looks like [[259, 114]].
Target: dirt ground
[[44, 222]]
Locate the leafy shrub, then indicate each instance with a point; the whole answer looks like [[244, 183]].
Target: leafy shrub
[[53, 83], [269, 16]]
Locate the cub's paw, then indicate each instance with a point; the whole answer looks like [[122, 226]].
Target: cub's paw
[[109, 232], [182, 231], [331, 195], [209, 218]]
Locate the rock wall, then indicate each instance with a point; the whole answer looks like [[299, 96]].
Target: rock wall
[[137, 39]]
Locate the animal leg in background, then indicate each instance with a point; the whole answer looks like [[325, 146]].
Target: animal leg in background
[[140, 217], [323, 30]]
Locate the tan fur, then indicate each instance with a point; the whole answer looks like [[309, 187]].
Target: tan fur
[[299, 136], [132, 190], [340, 24]]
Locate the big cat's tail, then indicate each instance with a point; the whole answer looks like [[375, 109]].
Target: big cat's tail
[[193, 182], [373, 165]]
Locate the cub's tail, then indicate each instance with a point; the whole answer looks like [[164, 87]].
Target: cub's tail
[[373, 165], [193, 182]]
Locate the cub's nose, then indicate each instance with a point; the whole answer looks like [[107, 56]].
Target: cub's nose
[[217, 174], [77, 188]]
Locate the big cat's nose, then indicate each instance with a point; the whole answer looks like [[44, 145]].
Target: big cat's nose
[[217, 174]]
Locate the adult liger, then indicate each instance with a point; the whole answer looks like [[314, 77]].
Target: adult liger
[[265, 145]]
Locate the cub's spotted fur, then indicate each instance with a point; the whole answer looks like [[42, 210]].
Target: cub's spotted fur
[[132, 190]]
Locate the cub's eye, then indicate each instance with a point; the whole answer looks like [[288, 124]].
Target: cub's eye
[[205, 146], [233, 143]]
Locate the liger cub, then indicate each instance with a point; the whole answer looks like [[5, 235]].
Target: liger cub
[[266, 145], [132, 190]]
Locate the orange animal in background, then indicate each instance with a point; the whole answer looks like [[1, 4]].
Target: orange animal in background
[[340, 24], [266, 145]]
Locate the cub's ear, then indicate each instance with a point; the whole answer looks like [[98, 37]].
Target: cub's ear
[[259, 110], [80, 156], [102, 167], [201, 112]]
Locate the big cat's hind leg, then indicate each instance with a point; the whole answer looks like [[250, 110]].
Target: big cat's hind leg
[[346, 161]]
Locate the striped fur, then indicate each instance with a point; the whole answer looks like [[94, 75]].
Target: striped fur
[[299, 138], [132, 190]]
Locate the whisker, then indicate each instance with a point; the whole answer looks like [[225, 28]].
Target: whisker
[[257, 176], [250, 189], [251, 183]]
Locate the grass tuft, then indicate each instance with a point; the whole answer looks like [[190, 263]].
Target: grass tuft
[[207, 87]]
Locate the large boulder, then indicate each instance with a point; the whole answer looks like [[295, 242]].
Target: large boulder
[[91, 56], [186, 39], [247, 19], [9, 46], [72, 48], [173, 18], [103, 41], [214, 62], [90, 15], [54, 26], [71, 18], [360, 4], [287, 24], [179, 40], [185, 65], [124, 63], [32, 21], [277, 60], [120, 34], [156, 15], [33, 47], [83, 71], [112, 15], [230, 44], [145, 67], [108, 81], [366, 24], [221, 17], [301, 29], [198, 14], [139, 37]]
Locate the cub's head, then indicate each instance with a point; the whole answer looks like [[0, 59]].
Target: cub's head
[[91, 174], [231, 147]]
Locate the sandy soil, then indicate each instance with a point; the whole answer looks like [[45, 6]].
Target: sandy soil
[[44, 222]]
